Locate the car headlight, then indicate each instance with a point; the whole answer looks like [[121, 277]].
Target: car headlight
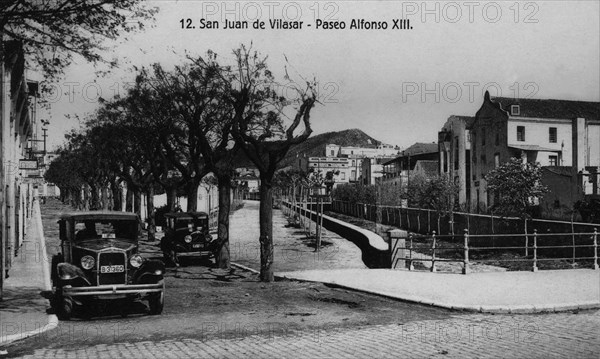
[[88, 262], [187, 239], [136, 260]]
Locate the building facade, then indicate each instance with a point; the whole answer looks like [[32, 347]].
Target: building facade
[[372, 169], [554, 133], [454, 145], [357, 157], [338, 166], [397, 171], [15, 130]]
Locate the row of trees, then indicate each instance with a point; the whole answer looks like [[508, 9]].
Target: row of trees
[[436, 193], [173, 127], [516, 187]]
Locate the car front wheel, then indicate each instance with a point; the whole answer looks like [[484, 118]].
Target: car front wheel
[[65, 310], [156, 303]]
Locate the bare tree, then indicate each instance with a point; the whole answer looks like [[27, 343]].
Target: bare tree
[[261, 130]]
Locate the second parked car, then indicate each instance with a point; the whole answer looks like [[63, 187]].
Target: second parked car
[[186, 233]]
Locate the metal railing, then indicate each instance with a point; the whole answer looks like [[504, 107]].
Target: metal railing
[[408, 250], [424, 221]]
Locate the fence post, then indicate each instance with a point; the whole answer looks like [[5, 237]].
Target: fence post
[[397, 245], [410, 262], [595, 248], [433, 253], [535, 268], [466, 269]]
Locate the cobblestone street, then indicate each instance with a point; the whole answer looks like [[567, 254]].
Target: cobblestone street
[[472, 336]]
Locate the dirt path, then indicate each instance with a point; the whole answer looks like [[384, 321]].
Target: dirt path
[[293, 250]]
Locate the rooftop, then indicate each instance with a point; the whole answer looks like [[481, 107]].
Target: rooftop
[[537, 108], [430, 168]]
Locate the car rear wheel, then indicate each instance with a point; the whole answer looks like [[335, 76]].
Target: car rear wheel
[[156, 303]]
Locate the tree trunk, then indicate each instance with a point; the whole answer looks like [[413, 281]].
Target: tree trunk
[[137, 202], [95, 198], [104, 198], [171, 198], [266, 231], [192, 196], [150, 213], [117, 195], [129, 199], [86, 198], [222, 256]]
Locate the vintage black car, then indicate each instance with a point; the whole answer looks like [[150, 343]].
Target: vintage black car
[[186, 233], [100, 263]]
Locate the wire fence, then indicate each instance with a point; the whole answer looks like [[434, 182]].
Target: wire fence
[[425, 221]]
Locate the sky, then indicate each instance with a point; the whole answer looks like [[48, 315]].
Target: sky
[[399, 86]]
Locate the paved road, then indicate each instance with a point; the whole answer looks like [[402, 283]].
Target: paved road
[[472, 336]]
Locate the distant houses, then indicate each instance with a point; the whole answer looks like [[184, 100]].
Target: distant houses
[[349, 164], [563, 136], [421, 157]]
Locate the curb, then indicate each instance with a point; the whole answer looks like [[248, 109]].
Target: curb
[[52, 318], [243, 267], [516, 309]]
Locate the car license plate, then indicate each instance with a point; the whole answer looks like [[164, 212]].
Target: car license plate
[[112, 269], [197, 245]]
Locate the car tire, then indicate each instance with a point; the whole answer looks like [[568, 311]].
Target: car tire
[[65, 311], [156, 303], [56, 301], [56, 260]]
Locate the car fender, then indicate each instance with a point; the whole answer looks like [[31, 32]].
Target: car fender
[[180, 248], [151, 271], [69, 274]]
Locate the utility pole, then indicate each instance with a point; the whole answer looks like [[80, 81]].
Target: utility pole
[[45, 135]]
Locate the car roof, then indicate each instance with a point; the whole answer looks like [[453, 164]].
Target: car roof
[[93, 215], [186, 214]]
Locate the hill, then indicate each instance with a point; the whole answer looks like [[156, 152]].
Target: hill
[[315, 145]]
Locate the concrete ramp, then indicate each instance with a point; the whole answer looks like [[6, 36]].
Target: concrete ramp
[[375, 250]]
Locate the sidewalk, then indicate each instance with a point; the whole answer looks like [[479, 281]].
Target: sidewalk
[[488, 292], [23, 309]]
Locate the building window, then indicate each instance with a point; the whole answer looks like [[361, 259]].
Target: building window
[[520, 133], [552, 134], [332, 153], [353, 163], [343, 174], [496, 160], [483, 136], [456, 153], [353, 176], [445, 160], [483, 160], [553, 160], [515, 110]]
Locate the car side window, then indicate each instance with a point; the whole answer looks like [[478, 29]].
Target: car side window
[[85, 230]]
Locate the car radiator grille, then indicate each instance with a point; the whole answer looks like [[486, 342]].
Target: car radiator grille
[[112, 259]]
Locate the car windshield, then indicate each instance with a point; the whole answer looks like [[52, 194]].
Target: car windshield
[[186, 223], [98, 229]]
